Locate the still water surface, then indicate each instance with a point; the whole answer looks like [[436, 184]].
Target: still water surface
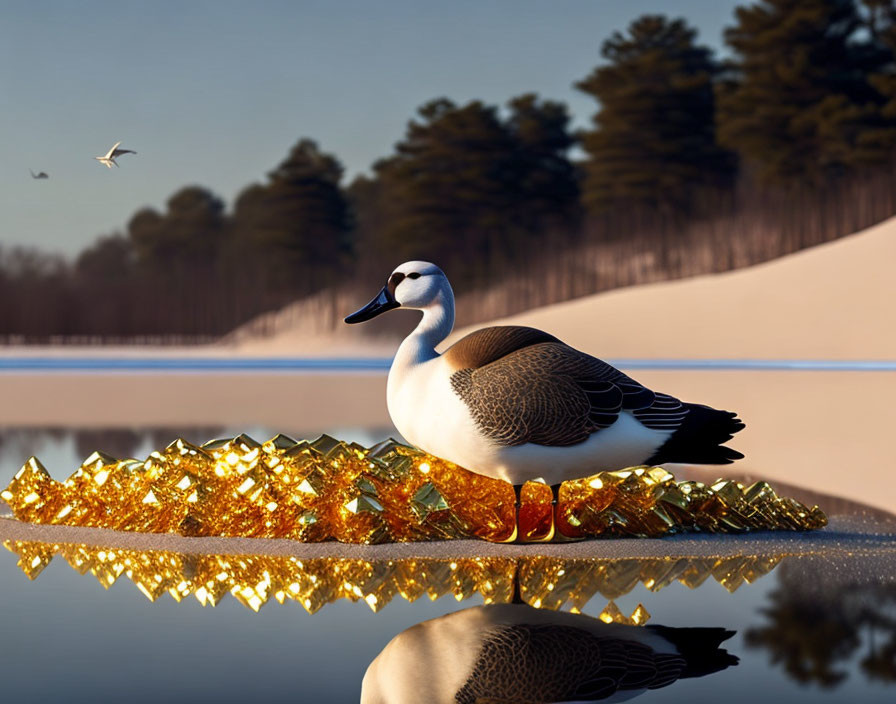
[[818, 628]]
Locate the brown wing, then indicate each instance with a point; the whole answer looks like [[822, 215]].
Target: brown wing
[[489, 344], [553, 663], [548, 393]]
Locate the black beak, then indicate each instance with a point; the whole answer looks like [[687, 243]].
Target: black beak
[[384, 301]]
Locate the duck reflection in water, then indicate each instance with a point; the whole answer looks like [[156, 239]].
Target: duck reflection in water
[[516, 653]]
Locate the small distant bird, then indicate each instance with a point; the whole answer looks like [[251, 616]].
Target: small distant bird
[[109, 158], [40, 174]]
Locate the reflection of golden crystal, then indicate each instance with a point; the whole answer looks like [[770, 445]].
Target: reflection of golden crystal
[[332, 490], [612, 614], [542, 582]]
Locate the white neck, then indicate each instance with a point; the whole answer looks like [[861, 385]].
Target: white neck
[[435, 325], [414, 357]]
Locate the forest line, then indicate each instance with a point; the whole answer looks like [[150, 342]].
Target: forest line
[[692, 165]]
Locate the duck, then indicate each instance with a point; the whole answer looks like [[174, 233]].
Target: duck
[[518, 404], [516, 653]]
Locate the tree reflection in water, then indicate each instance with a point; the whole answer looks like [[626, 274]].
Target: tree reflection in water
[[125, 442], [823, 614], [19, 443]]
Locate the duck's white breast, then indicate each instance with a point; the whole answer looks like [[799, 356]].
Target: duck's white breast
[[430, 415]]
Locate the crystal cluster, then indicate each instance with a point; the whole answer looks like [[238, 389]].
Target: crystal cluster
[[332, 490], [648, 502], [543, 582], [552, 582]]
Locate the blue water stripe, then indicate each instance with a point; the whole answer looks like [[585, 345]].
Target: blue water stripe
[[305, 364]]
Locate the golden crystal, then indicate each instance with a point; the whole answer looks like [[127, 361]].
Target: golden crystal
[[543, 582], [332, 490], [536, 514], [612, 614]]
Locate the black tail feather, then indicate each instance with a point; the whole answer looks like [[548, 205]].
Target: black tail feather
[[700, 647], [700, 437]]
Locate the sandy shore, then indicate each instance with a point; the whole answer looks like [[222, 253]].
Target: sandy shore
[[309, 403], [843, 536], [825, 430]]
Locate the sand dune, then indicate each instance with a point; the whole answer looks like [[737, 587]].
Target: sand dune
[[834, 301]]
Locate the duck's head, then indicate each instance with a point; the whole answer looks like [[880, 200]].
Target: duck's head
[[415, 285]]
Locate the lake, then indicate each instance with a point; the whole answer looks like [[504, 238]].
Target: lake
[[812, 623]]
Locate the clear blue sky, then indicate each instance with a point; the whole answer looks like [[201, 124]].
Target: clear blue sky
[[216, 92]]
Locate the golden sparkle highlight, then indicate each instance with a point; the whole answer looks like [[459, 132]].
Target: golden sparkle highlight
[[332, 490], [255, 579]]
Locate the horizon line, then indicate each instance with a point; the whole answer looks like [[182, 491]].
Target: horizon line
[[375, 364]]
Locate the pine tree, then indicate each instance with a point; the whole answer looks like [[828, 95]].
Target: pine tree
[[178, 258], [106, 288], [190, 231], [548, 182], [654, 139], [469, 189], [878, 141], [446, 190], [798, 103], [296, 227], [368, 206]]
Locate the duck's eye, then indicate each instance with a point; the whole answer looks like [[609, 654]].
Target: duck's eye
[[415, 275]]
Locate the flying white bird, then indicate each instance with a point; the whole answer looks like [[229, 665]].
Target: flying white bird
[[109, 158], [40, 174]]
